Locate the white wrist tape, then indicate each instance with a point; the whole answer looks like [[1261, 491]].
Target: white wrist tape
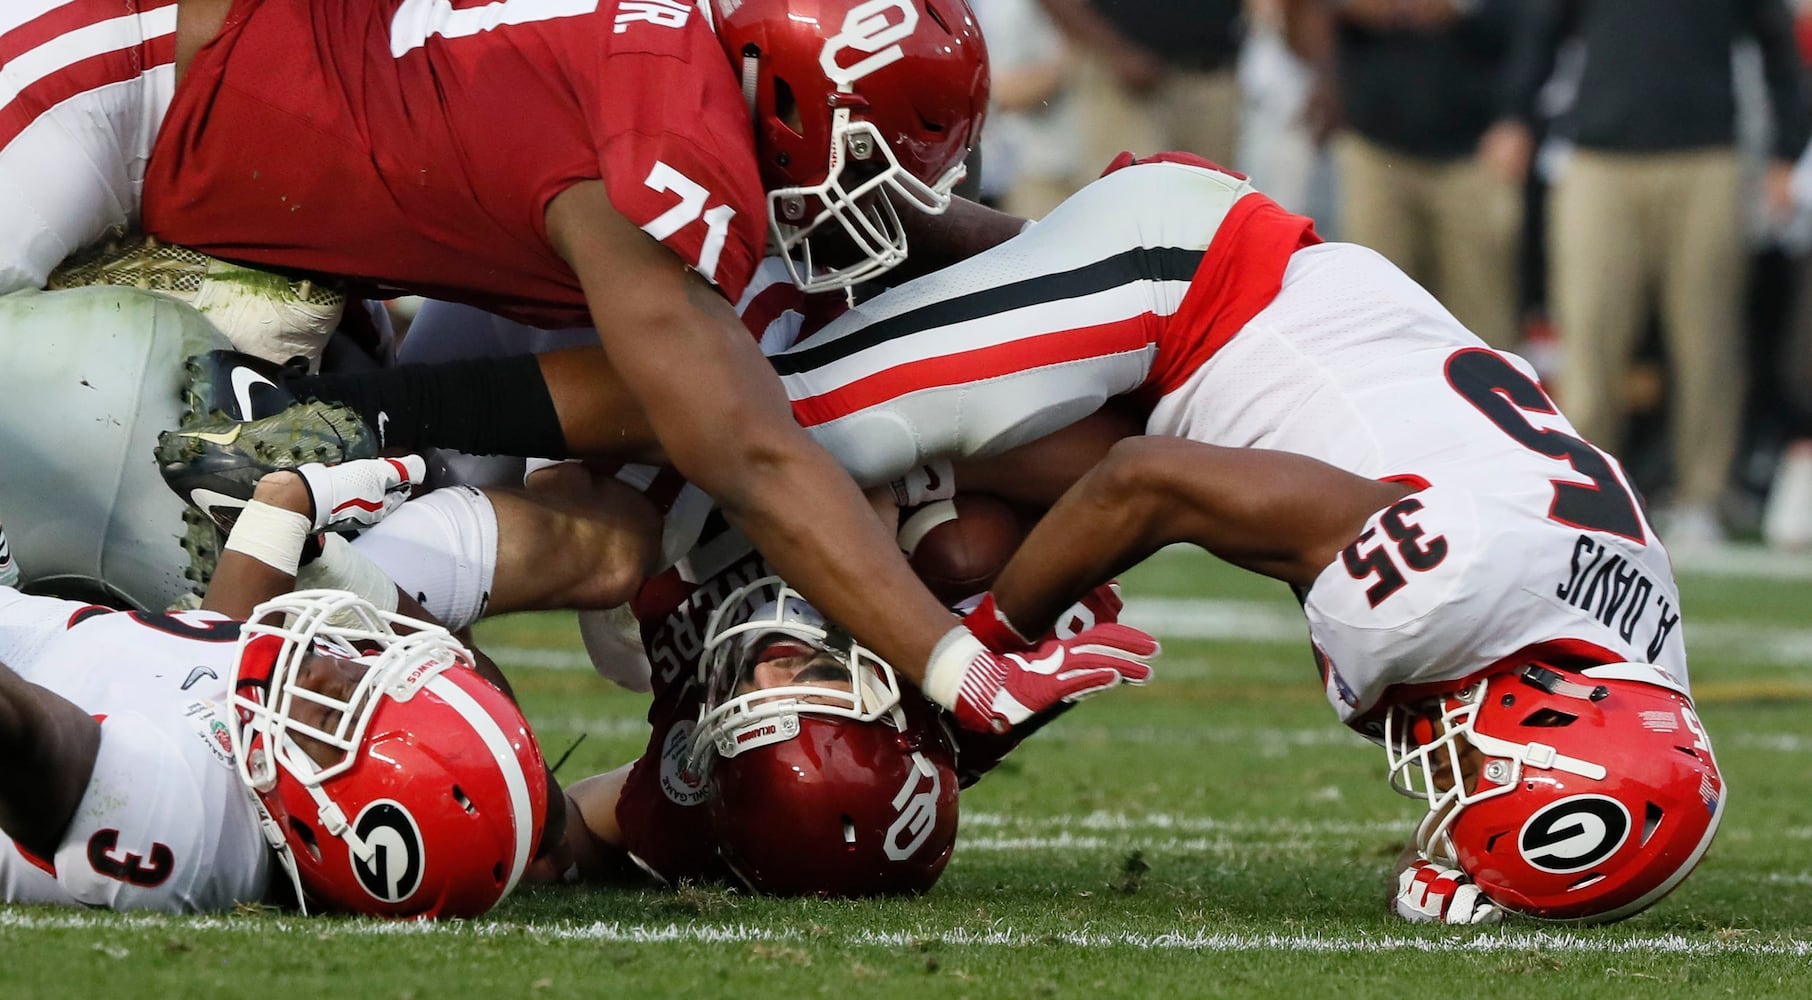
[[916, 527], [950, 661], [271, 535], [340, 566]]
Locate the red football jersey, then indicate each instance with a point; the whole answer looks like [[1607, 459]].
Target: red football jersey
[[660, 809], [415, 144]]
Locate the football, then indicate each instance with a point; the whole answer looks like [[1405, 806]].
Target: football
[[958, 546]]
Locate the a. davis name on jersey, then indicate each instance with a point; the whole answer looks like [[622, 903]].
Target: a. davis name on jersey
[[1604, 583]]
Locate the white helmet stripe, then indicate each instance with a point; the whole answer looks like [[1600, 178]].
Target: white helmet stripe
[[513, 778]]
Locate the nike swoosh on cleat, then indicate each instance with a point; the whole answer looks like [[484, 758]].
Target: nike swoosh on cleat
[[220, 508], [216, 437], [243, 380]]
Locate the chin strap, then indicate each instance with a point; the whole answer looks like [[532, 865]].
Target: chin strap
[[279, 844]]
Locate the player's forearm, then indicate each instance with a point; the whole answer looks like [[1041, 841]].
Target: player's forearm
[[1040, 472], [263, 550], [593, 848], [1104, 524], [598, 415], [1278, 514], [808, 519], [49, 745]]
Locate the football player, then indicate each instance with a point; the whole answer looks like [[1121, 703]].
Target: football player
[[1484, 591], [762, 710], [759, 708], [564, 163], [175, 762]]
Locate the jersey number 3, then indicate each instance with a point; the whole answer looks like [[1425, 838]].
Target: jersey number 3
[[147, 871]]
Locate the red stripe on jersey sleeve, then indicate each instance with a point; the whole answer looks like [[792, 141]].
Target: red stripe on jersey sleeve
[[62, 20], [1015, 356], [92, 73], [1240, 275]]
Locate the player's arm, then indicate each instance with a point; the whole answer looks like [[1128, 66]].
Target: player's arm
[[197, 22], [724, 422], [1283, 515], [1039, 472], [264, 549], [255, 570], [591, 848], [48, 744]]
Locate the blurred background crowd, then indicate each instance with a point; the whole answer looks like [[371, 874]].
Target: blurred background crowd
[[1618, 190]]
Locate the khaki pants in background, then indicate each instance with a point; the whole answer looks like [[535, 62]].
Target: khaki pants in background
[[1190, 111], [1449, 224], [1628, 232]]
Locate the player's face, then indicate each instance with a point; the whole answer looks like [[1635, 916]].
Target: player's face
[[335, 677], [791, 663], [831, 243]]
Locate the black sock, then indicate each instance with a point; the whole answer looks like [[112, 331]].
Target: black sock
[[483, 406]]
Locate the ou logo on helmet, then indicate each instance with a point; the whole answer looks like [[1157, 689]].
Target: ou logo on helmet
[[1574, 834], [869, 28], [390, 866], [917, 809]]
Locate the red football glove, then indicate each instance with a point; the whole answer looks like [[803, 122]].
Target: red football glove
[[991, 691], [1100, 606]]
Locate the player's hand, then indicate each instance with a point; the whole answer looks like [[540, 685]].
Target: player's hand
[[1429, 893], [359, 493], [1100, 606], [991, 691]]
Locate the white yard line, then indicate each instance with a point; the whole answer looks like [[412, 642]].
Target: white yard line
[[994, 936], [1106, 822]]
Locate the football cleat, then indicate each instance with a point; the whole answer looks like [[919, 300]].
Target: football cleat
[[215, 464], [9, 570], [237, 386]]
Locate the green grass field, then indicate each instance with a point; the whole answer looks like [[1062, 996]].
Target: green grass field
[[1215, 833]]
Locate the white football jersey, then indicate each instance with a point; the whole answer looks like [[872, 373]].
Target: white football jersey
[[1346, 360], [165, 823], [1527, 535]]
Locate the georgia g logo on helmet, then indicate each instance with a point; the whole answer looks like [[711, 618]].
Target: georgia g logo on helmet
[[1574, 834], [868, 28], [391, 869]]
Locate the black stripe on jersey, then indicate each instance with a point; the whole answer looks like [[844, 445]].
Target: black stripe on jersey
[[1141, 264]]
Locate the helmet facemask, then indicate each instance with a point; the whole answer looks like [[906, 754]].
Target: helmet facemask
[[862, 206], [265, 739], [738, 716], [1436, 757], [863, 113]]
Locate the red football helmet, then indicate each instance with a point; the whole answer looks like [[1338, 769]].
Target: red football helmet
[[855, 99], [1593, 791], [438, 800], [835, 784]]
